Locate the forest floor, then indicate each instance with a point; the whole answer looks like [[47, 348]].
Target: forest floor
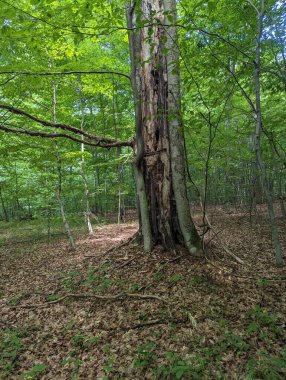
[[131, 315]]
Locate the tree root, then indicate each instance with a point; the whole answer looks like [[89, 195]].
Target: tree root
[[95, 296]]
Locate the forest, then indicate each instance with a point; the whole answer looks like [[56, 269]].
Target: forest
[[143, 189]]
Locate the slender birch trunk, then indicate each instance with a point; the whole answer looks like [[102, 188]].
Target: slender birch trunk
[[72, 245], [88, 212]]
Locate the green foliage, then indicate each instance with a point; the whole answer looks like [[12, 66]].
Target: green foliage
[[70, 280], [145, 355], [176, 278], [52, 297], [16, 299], [178, 368], [85, 342], [35, 373], [108, 368], [263, 322], [266, 367], [73, 361], [135, 287], [98, 279], [234, 342], [159, 275], [10, 348]]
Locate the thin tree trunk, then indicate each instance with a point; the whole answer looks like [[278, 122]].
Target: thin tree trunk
[[257, 143], [72, 245], [18, 206], [282, 205], [6, 217], [88, 212], [120, 209]]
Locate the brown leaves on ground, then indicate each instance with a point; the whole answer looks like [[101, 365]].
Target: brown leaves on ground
[[221, 320]]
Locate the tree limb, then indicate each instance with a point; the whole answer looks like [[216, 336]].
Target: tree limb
[[99, 144], [52, 73]]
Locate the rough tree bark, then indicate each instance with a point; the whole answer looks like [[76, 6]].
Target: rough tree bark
[[160, 165]]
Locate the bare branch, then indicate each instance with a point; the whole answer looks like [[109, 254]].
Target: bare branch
[[253, 6], [244, 93], [99, 144], [17, 111]]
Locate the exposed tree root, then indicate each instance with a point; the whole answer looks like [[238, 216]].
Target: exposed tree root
[[95, 296]]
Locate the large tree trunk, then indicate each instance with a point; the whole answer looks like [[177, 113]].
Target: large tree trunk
[[160, 157]]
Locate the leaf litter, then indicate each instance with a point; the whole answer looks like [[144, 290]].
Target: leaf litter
[[127, 314]]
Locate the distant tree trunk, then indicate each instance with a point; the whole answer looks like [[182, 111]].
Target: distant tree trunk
[[17, 202], [5, 212], [265, 185], [120, 171], [121, 205], [88, 212], [282, 205], [72, 245], [160, 170]]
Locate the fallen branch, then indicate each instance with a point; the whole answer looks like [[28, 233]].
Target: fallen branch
[[223, 245], [224, 272], [95, 296], [112, 249], [146, 324], [126, 242], [126, 263], [208, 224]]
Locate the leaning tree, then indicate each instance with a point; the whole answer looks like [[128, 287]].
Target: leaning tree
[[160, 162]]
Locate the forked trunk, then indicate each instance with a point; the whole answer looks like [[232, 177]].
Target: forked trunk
[[160, 158]]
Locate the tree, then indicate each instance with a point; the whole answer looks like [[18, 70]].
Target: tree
[[160, 167], [160, 155]]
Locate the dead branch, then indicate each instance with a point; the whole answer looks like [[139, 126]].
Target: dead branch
[[99, 141], [112, 249], [210, 227], [53, 73], [152, 323], [126, 263], [146, 324], [126, 242]]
